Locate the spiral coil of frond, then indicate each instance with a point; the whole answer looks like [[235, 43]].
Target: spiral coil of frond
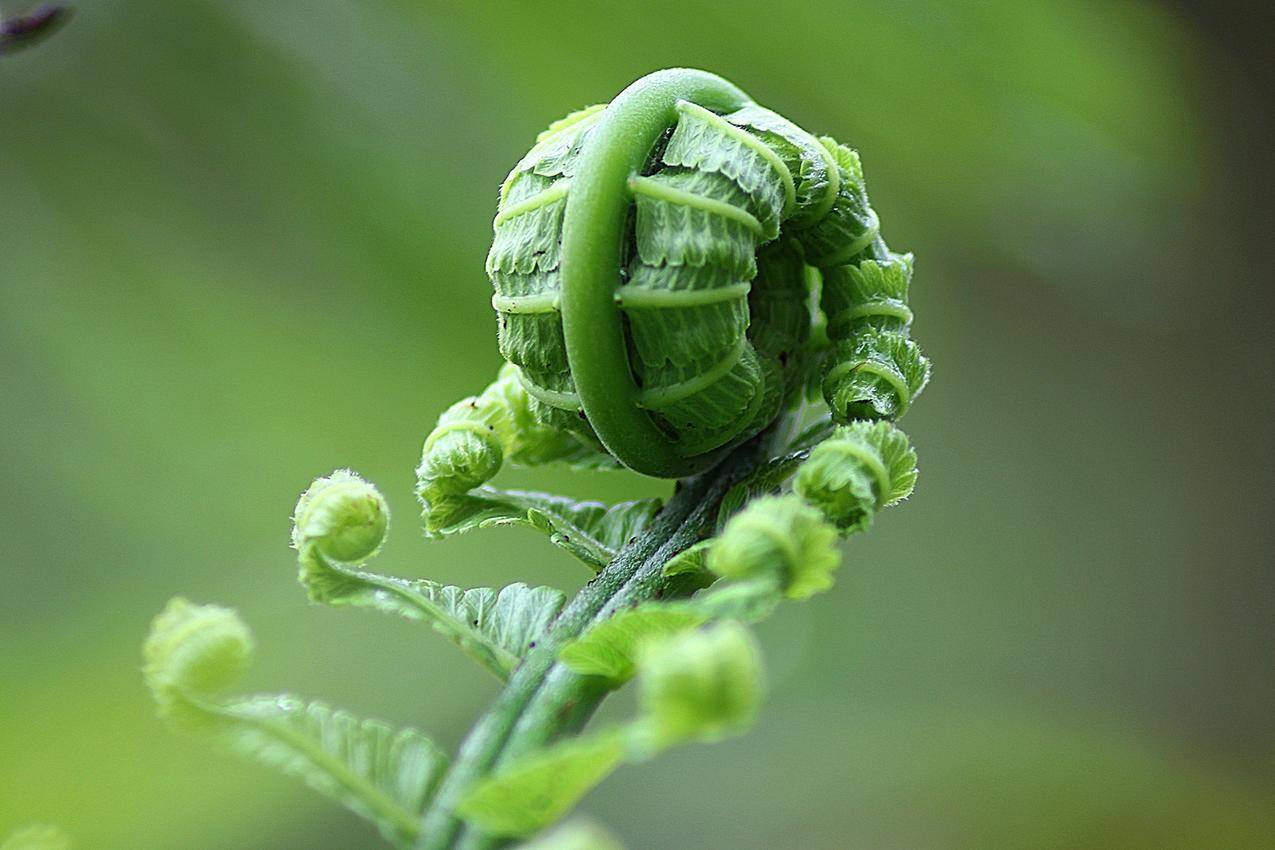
[[714, 210]]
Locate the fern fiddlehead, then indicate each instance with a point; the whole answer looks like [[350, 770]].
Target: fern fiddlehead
[[629, 285], [674, 272]]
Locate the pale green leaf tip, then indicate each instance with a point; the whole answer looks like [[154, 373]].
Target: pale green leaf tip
[[345, 517], [569, 120]]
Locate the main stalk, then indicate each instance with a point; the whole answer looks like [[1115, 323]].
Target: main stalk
[[543, 699]]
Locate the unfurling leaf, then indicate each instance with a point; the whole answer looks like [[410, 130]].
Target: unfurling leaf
[[687, 285], [382, 775], [195, 651], [477, 435], [342, 515], [591, 531], [875, 375], [495, 627], [538, 788]]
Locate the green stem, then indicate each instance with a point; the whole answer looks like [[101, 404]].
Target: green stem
[[543, 699], [593, 236]]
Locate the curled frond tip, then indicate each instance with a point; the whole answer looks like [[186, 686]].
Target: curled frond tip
[[344, 516]]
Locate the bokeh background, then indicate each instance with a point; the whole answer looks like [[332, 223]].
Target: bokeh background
[[241, 244]]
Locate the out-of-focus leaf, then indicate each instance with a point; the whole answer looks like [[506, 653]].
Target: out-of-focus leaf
[[701, 685], [538, 788], [779, 537], [610, 648], [193, 652]]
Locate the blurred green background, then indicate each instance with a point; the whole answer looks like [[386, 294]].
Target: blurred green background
[[242, 244]]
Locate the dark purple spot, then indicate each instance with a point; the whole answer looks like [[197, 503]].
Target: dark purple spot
[[25, 30]]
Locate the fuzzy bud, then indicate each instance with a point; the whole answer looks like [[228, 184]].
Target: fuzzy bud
[[838, 480], [700, 685], [461, 453], [343, 515], [860, 469], [194, 650], [782, 537]]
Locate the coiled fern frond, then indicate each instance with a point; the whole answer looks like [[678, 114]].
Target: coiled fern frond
[[651, 264]]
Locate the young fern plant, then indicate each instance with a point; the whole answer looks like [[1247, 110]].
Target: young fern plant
[[688, 285]]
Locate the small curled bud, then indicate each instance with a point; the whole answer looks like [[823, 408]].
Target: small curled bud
[[467, 447], [876, 375], [461, 452], [193, 650], [700, 685], [779, 536], [840, 483], [477, 435], [857, 471], [343, 515], [526, 439]]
